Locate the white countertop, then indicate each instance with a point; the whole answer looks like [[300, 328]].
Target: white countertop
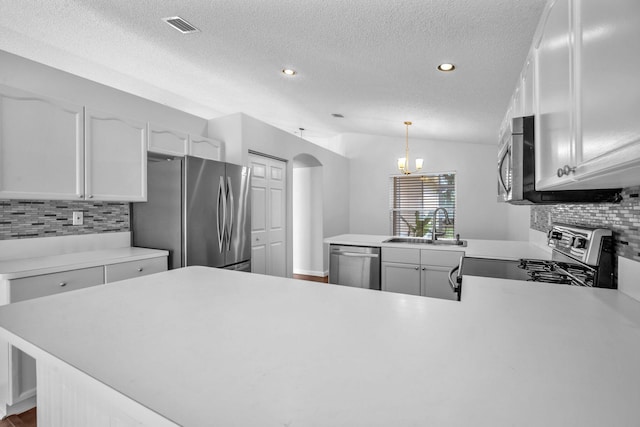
[[17, 268], [213, 347], [504, 249]]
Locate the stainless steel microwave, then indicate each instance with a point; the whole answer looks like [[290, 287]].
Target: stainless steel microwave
[[516, 172]]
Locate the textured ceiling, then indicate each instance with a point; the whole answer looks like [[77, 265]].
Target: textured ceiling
[[374, 61]]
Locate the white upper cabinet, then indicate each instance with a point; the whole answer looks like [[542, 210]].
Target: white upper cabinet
[[554, 109], [167, 141], [42, 146], [116, 157], [51, 151], [608, 60], [586, 95], [206, 148], [528, 87]]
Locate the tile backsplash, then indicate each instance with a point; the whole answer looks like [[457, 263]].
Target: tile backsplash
[[42, 218], [623, 219]]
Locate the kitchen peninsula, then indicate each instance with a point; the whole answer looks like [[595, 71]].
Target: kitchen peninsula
[[200, 346]]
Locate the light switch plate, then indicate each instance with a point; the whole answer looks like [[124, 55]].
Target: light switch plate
[[78, 218]]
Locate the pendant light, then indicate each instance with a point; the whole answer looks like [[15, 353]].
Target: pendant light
[[403, 162]]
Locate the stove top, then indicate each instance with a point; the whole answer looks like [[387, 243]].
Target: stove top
[[581, 256]]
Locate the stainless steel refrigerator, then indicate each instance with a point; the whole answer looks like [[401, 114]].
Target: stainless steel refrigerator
[[198, 210]]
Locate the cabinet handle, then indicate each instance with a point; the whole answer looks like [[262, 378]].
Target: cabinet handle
[[80, 196], [566, 170], [91, 196], [424, 268], [417, 268], [62, 284], [140, 269]]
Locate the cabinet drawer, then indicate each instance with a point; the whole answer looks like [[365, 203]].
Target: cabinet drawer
[[128, 270], [55, 283], [406, 255], [440, 258]]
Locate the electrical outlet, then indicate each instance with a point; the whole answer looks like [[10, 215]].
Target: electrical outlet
[[78, 218]]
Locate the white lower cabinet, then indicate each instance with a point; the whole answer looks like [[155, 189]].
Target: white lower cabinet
[[17, 369], [401, 278], [419, 272], [128, 270], [435, 267]]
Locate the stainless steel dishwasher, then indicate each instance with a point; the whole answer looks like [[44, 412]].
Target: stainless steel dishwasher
[[357, 266]]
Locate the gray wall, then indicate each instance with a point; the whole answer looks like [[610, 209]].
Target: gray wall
[[242, 133], [373, 160]]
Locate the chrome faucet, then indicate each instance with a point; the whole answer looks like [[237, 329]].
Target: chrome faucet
[[447, 221]]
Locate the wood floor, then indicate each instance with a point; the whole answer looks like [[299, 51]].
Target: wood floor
[[324, 279], [25, 419]]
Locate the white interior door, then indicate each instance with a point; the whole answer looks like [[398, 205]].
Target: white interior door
[[268, 216]]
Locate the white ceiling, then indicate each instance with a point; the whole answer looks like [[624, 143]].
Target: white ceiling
[[374, 61]]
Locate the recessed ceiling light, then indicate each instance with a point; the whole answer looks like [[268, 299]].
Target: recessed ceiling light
[[289, 72], [446, 67]]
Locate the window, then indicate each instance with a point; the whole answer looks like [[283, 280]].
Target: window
[[413, 200]]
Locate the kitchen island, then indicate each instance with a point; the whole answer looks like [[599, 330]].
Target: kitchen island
[[199, 346]]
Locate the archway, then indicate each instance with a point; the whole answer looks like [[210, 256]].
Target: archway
[[307, 200]]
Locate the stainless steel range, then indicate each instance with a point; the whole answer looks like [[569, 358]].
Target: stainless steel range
[[581, 256]]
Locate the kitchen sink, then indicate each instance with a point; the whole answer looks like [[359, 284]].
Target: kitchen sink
[[422, 241]]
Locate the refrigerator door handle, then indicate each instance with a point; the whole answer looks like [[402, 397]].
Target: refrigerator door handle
[[222, 204], [231, 212]]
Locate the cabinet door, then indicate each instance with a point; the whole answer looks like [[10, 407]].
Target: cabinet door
[[401, 278], [166, 141], [115, 158], [608, 61], [554, 137], [42, 146], [435, 283], [131, 269], [206, 148]]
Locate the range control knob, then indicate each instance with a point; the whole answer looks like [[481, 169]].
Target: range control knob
[[579, 243], [554, 235]]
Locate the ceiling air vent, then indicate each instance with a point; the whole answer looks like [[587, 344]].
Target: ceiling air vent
[[180, 24]]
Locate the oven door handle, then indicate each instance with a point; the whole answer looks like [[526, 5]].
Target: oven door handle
[[573, 277], [456, 285]]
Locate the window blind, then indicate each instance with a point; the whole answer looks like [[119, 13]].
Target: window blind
[[414, 198]]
